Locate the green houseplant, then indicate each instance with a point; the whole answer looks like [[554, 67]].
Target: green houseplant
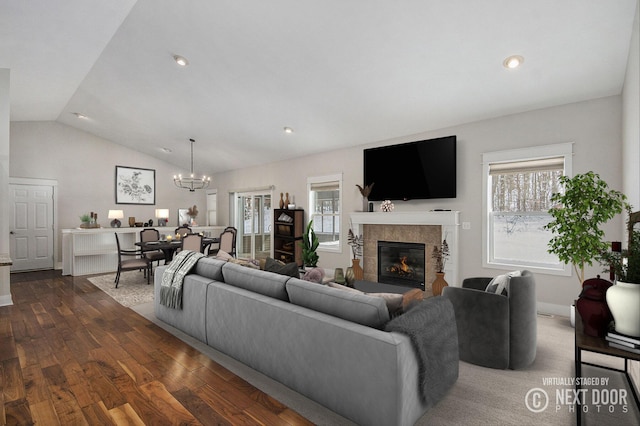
[[585, 204], [625, 264], [309, 246], [623, 298]]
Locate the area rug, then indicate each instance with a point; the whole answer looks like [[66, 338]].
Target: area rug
[[483, 396], [132, 290]]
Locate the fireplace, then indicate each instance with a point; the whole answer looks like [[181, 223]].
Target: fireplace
[[401, 263]]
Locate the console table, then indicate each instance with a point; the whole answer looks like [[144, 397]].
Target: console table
[[599, 345], [94, 251]]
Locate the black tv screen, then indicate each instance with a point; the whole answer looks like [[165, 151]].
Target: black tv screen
[[412, 171]]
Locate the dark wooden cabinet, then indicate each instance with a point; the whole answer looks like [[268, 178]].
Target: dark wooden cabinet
[[288, 228]]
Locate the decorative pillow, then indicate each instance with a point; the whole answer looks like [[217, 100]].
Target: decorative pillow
[[393, 302], [411, 297], [314, 275], [289, 269], [500, 283], [249, 263], [223, 255]]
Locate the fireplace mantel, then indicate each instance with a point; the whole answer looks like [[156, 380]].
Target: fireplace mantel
[[447, 220]]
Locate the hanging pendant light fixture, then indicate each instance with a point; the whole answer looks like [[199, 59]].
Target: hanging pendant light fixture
[[191, 183]]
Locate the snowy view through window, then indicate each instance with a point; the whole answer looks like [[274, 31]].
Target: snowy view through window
[[520, 201]]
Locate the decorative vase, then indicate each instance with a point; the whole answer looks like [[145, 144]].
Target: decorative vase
[[349, 276], [358, 272], [592, 307], [338, 276], [132, 221], [438, 284], [286, 200], [281, 200], [365, 204], [623, 300]]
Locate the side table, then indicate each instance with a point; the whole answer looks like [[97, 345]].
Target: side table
[[599, 345]]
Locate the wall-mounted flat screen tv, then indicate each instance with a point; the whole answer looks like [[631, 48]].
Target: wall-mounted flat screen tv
[[412, 171]]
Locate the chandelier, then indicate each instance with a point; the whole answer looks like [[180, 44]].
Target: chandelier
[[191, 183]]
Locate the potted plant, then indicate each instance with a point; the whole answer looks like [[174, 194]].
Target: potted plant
[[440, 255], [309, 245], [623, 298], [356, 243], [578, 213], [85, 220], [365, 191], [193, 213]]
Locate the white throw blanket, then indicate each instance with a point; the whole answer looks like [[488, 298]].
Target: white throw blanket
[[173, 277]]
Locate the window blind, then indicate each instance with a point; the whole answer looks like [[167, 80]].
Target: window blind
[[539, 164]]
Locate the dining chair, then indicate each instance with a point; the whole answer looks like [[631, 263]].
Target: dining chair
[[183, 230], [137, 262], [228, 240], [192, 242], [149, 235]]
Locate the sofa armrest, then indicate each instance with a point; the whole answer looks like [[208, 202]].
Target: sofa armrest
[[482, 320]]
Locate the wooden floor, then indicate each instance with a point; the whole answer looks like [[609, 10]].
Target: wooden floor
[[71, 355]]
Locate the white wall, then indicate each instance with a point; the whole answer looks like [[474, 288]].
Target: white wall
[[5, 290], [631, 118], [84, 166], [594, 126]]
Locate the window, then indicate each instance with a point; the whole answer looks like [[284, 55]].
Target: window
[[325, 193], [517, 189]]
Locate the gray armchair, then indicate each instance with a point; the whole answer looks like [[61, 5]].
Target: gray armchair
[[494, 330]]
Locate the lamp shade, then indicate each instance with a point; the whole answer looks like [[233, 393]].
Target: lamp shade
[[163, 216], [116, 214], [162, 213]]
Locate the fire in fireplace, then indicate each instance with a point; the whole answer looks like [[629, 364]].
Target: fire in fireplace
[[401, 263]]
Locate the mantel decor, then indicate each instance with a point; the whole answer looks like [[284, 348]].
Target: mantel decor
[[135, 185]]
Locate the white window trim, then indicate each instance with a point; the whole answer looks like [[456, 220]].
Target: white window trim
[[321, 179], [543, 151]]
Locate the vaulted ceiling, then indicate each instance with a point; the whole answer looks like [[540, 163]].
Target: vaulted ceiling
[[337, 72]]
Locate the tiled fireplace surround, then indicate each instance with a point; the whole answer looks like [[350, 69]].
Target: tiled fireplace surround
[[428, 228]]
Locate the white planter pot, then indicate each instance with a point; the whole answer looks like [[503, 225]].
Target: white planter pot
[[573, 315], [624, 302]]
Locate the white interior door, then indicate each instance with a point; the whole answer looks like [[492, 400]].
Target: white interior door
[[253, 221], [31, 227]]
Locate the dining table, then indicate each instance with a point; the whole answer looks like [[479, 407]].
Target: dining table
[[169, 247]]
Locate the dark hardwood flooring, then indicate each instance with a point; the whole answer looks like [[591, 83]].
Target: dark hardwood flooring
[[71, 355]]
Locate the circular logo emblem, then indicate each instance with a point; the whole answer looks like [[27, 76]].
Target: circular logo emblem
[[536, 400]]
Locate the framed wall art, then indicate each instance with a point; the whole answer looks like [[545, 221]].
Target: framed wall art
[[135, 185], [183, 217]]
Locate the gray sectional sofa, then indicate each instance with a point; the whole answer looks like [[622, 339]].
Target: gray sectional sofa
[[324, 343]]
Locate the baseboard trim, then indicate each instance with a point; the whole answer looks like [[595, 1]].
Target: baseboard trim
[[553, 309], [6, 300]]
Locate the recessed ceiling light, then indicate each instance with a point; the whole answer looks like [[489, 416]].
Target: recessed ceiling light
[[513, 62], [288, 130], [181, 60], [81, 116]]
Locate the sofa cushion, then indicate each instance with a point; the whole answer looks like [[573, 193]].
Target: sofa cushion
[[263, 282], [288, 269], [210, 268], [394, 301], [360, 308]]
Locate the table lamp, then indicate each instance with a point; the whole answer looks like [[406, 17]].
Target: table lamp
[[115, 215], [163, 216]]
